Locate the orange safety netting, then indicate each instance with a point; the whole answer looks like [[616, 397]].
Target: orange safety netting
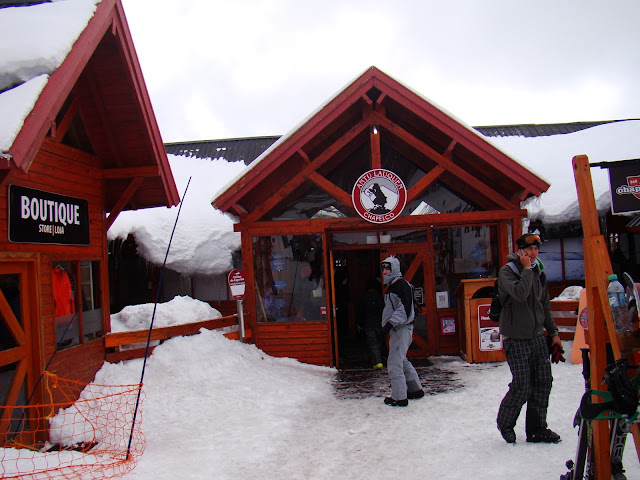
[[84, 432]]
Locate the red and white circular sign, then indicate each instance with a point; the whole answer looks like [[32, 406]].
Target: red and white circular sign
[[236, 284], [379, 195]]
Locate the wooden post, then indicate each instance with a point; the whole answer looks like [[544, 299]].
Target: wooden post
[[601, 327]]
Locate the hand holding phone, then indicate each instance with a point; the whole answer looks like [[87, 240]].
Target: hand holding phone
[[524, 258]]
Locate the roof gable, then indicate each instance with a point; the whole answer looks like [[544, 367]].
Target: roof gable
[[102, 81], [380, 120]]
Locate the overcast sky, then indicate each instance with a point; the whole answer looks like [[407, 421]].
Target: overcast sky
[[221, 69]]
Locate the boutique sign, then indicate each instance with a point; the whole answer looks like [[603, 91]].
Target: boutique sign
[[36, 216]]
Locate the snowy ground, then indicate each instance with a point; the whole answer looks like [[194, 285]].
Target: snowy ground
[[216, 408]]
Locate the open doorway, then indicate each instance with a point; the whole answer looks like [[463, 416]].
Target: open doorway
[[352, 270]]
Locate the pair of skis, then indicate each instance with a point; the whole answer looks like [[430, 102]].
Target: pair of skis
[[583, 466]]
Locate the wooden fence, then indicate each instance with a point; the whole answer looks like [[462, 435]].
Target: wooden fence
[[114, 342], [565, 314]]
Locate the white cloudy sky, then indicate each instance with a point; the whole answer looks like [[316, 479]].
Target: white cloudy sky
[[220, 69]]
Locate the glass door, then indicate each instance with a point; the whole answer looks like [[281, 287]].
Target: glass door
[[416, 269]]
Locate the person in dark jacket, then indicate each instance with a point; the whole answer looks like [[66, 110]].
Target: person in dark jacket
[[397, 319], [526, 313], [370, 319]]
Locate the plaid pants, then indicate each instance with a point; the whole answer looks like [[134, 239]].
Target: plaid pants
[[531, 384]]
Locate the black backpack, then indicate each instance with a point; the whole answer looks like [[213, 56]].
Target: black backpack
[[496, 305]]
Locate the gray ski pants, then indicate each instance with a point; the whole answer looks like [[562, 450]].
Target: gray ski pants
[[401, 372]]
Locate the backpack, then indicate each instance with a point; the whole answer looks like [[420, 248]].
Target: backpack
[[413, 298], [496, 305]]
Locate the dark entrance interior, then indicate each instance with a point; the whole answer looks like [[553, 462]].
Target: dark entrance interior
[[352, 270]]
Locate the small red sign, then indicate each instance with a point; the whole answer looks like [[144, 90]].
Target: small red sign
[[236, 284]]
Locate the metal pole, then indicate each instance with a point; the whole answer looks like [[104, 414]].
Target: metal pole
[[240, 320]]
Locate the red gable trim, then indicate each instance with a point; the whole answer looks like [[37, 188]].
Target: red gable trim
[[109, 14], [373, 77]]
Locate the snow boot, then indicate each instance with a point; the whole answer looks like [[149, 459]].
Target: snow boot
[[396, 403], [415, 395], [544, 435], [508, 434]]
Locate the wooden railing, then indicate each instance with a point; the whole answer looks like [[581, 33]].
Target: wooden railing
[[114, 341], [565, 314]]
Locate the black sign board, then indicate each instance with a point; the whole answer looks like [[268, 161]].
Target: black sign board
[[624, 178], [43, 217]]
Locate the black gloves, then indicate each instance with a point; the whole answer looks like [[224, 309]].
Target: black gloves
[[555, 351], [387, 328], [556, 354]]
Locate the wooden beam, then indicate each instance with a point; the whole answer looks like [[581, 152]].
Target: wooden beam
[[301, 176], [424, 183], [333, 190], [117, 173], [459, 172], [122, 201], [118, 339], [374, 139], [441, 220], [58, 131]]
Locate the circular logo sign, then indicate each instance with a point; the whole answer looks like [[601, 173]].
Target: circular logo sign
[[584, 318], [379, 195]]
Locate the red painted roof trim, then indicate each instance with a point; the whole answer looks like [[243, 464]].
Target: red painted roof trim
[[109, 14], [373, 77]]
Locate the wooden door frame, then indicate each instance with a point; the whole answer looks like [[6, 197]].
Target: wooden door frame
[[424, 255], [29, 352]]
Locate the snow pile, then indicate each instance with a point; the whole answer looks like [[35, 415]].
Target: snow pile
[[204, 239], [569, 293], [207, 395], [178, 311]]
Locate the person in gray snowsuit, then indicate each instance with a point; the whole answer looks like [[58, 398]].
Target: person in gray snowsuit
[[397, 320]]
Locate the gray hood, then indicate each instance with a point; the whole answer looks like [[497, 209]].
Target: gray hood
[[395, 274]]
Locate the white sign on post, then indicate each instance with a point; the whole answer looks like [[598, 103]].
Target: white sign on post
[[236, 284]]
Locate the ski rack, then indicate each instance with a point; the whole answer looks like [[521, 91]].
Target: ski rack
[[597, 266]]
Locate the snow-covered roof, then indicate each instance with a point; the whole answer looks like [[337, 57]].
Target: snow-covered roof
[[204, 238], [34, 42], [45, 50]]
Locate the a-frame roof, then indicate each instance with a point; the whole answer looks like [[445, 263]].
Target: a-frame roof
[[407, 125], [100, 80]]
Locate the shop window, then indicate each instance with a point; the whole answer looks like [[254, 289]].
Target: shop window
[[438, 199], [563, 259], [77, 298], [461, 253], [289, 278], [308, 202]]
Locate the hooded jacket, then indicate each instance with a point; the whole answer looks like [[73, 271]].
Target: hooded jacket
[[526, 308], [398, 299]]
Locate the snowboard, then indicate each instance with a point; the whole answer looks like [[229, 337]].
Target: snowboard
[[582, 324]]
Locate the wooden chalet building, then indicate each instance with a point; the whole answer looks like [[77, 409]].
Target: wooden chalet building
[[89, 149], [314, 229]]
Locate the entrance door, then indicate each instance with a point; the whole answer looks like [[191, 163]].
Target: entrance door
[[19, 341], [416, 269]]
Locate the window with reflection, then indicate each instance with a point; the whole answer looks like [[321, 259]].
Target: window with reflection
[[563, 259], [289, 278], [464, 252], [77, 302]]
